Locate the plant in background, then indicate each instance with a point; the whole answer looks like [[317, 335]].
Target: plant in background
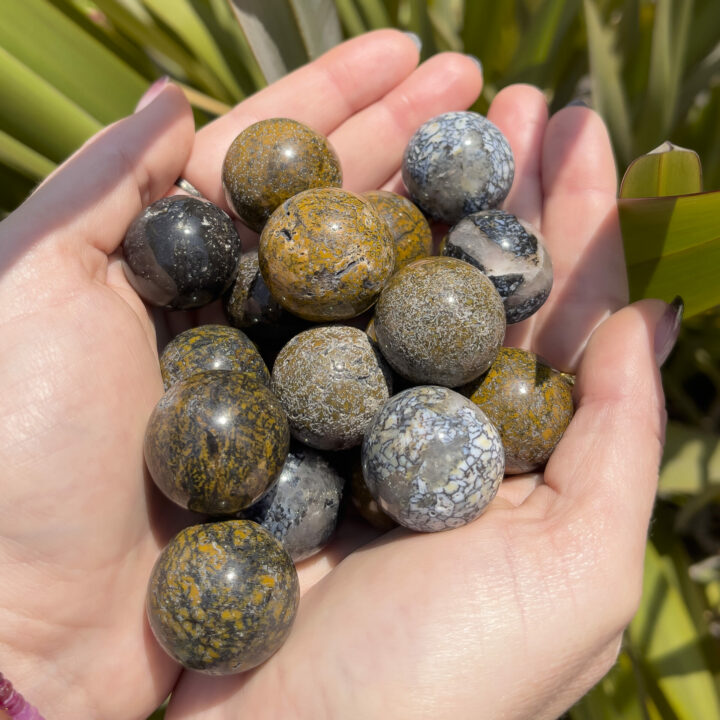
[[650, 67]]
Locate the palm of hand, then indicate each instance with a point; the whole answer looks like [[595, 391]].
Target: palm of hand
[[414, 617]]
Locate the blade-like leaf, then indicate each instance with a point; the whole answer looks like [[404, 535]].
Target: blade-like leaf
[[667, 170], [691, 461], [23, 159]]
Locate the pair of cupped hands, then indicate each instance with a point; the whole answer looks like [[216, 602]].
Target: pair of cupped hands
[[513, 616]]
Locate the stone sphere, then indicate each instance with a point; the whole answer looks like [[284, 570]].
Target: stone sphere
[[363, 501], [407, 225], [326, 254], [216, 441], [530, 404], [301, 509], [222, 597], [510, 252], [456, 164], [432, 459], [331, 382], [271, 161], [211, 347], [440, 321], [181, 252]]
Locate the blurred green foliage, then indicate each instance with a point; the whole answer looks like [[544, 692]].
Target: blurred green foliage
[[650, 67]]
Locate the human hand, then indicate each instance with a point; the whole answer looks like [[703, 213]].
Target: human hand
[[80, 527]]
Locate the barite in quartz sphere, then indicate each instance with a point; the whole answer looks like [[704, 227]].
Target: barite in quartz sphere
[[301, 509], [456, 164], [432, 459], [326, 254], [407, 225], [529, 402], [181, 252], [211, 347], [440, 321], [331, 382], [216, 441], [510, 252], [271, 161], [363, 501], [222, 597]]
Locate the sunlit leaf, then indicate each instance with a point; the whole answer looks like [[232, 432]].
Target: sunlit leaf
[[667, 170], [691, 461], [23, 159]]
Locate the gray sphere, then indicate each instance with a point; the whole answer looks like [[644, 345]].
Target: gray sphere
[[456, 164], [432, 459]]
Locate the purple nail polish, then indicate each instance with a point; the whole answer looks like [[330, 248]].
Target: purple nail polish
[[152, 92], [666, 333]]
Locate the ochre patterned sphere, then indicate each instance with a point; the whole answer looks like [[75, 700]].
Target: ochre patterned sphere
[[222, 597], [273, 160], [408, 226], [216, 441], [440, 321], [529, 402], [326, 254]]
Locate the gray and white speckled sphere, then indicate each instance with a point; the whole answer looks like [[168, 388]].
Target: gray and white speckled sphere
[[456, 164], [440, 321], [331, 382], [511, 253], [432, 459], [301, 509]]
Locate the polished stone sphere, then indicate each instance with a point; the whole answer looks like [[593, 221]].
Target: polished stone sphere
[[222, 597], [181, 252], [510, 252], [456, 164], [440, 321], [216, 441], [326, 254], [271, 161], [432, 459], [529, 402]]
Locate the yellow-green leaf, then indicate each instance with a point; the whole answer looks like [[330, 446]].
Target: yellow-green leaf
[[23, 159], [667, 170], [691, 461]]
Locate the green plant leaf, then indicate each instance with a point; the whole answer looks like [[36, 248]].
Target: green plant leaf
[[691, 461], [23, 159], [374, 12], [667, 170]]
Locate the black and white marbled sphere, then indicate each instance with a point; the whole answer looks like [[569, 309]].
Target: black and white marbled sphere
[[511, 253], [431, 460], [456, 164], [301, 509]]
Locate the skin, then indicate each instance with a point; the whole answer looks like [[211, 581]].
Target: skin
[[540, 587]]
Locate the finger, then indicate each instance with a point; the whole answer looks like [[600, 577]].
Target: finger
[[371, 143], [95, 195], [581, 228], [321, 94]]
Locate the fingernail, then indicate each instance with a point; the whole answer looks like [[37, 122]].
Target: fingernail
[[152, 92], [416, 39], [577, 102], [188, 187], [667, 331], [476, 60]]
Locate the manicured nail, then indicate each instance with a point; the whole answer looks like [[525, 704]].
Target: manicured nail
[[152, 92], [188, 187], [416, 39], [577, 102], [476, 60], [667, 331]]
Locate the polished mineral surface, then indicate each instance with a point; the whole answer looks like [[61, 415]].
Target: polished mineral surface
[[216, 441], [211, 347], [529, 402], [432, 459], [181, 252], [331, 382], [271, 161], [456, 164], [326, 254], [510, 252], [440, 321], [222, 597]]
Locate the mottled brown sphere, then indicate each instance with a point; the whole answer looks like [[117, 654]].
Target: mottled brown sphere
[[331, 382], [211, 347], [408, 226], [273, 160], [326, 254], [440, 321], [529, 402], [216, 441], [222, 597]]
